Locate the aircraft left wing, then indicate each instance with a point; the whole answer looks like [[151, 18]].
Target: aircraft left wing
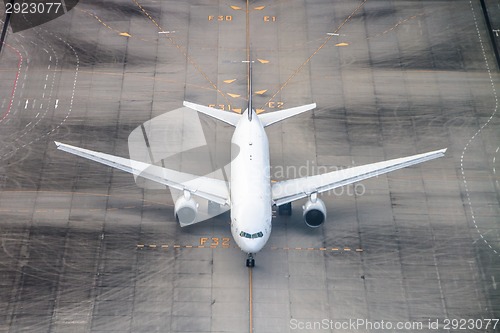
[[290, 190], [208, 188]]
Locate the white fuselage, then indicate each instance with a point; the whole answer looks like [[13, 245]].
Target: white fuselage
[[251, 199]]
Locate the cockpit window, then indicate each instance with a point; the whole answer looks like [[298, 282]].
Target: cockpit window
[[256, 235]]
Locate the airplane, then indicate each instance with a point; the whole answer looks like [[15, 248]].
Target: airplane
[[251, 194]]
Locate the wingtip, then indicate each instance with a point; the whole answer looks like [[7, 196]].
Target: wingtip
[[57, 143]]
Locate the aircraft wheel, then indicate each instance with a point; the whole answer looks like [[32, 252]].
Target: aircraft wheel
[[250, 261]]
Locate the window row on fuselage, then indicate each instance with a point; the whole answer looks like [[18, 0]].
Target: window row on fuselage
[[247, 235]]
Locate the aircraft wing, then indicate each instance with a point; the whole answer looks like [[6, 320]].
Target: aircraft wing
[[290, 190], [208, 188]]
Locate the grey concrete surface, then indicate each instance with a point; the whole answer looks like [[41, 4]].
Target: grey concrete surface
[[83, 249]]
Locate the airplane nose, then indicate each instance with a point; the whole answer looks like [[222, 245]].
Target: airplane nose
[[251, 245]]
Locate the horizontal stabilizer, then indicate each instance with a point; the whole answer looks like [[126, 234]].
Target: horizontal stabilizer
[[227, 117], [274, 117]]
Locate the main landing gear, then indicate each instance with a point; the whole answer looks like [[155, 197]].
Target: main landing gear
[[250, 261], [285, 210]]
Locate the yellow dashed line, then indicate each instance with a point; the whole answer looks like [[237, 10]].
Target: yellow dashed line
[[396, 25], [183, 51], [273, 248], [315, 52]]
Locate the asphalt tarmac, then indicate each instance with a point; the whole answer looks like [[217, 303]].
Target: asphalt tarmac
[[85, 248]]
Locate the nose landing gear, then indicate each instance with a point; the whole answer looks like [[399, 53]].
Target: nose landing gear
[[250, 261]]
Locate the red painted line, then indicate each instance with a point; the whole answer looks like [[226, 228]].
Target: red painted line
[[14, 87]]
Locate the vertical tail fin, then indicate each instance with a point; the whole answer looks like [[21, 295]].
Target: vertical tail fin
[[250, 91], [273, 117]]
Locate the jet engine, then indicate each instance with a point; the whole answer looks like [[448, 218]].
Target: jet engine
[[314, 211], [186, 209]]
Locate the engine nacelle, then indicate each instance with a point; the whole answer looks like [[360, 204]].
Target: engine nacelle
[[186, 209], [314, 212]]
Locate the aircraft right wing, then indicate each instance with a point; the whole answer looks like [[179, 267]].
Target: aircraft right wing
[[290, 190], [208, 188]]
